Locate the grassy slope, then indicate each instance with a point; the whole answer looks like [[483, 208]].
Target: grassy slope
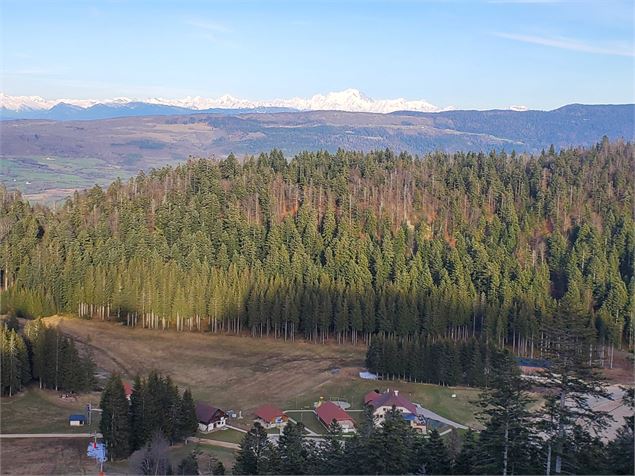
[[42, 411]]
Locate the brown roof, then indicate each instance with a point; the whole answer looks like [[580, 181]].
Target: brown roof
[[269, 413], [207, 413], [391, 398], [329, 411], [370, 396]]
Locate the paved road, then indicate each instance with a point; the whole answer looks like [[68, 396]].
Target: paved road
[[435, 416], [615, 407], [49, 435]]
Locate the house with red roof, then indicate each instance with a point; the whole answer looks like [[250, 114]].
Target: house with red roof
[[209, 417], [382, 403], [270, 416], [328, 412]]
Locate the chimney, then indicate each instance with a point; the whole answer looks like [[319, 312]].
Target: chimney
[[396, 393]]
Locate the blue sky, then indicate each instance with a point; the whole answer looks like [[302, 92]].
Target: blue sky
[[468, 54]]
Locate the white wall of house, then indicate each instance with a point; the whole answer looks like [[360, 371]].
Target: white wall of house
[[380, 412], [212, 426], [347, 426], [379, 416], [76, 423]]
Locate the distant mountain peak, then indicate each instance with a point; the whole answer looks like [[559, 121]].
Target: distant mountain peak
[[351, 99]]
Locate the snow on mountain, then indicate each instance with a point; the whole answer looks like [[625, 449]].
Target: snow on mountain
[[347, 100]]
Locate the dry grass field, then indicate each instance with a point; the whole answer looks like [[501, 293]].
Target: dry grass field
[[43, 411], [232, 372], [45, 456]]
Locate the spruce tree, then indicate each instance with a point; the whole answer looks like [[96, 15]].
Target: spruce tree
[[291, 451], [188, 423], [467, 460], [572, 380], [507, 439], [254, 452], [114, 424], [437, 459]]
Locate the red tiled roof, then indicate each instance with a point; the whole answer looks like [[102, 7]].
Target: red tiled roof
[[127, 388], [370, 396], [390, 399], [269, 413], [329, 411]]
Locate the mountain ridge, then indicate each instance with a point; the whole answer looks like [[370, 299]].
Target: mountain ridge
[[36, 107], [42, 154]]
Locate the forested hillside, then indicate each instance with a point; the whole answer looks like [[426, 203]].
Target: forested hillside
[[340, 246]]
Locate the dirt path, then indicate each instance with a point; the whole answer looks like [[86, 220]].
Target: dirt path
[[205, 441]]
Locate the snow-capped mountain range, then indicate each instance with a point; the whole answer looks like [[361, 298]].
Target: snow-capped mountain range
[[348, 100]]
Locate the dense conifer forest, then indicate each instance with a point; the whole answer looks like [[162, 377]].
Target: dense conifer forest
[[44, 354], [341, 246]]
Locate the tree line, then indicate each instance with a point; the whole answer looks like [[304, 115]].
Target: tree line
[[44, 354], [156, 406], [440, 361], [340, 246]]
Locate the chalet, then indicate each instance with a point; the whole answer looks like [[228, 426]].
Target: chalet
[[209, 417], [381, 403], [270, 416], [327, 412], [77, 420]]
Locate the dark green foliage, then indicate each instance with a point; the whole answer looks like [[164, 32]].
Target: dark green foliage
[[187, 421], [468, 459], [436, 459], [16, 369], [341, 246], [438, 361], [45, 354], [292, 454], [114, 424], [157, 406], [255, 453], [57, 363]]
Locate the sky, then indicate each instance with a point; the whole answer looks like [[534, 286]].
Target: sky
[[464, 53]]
